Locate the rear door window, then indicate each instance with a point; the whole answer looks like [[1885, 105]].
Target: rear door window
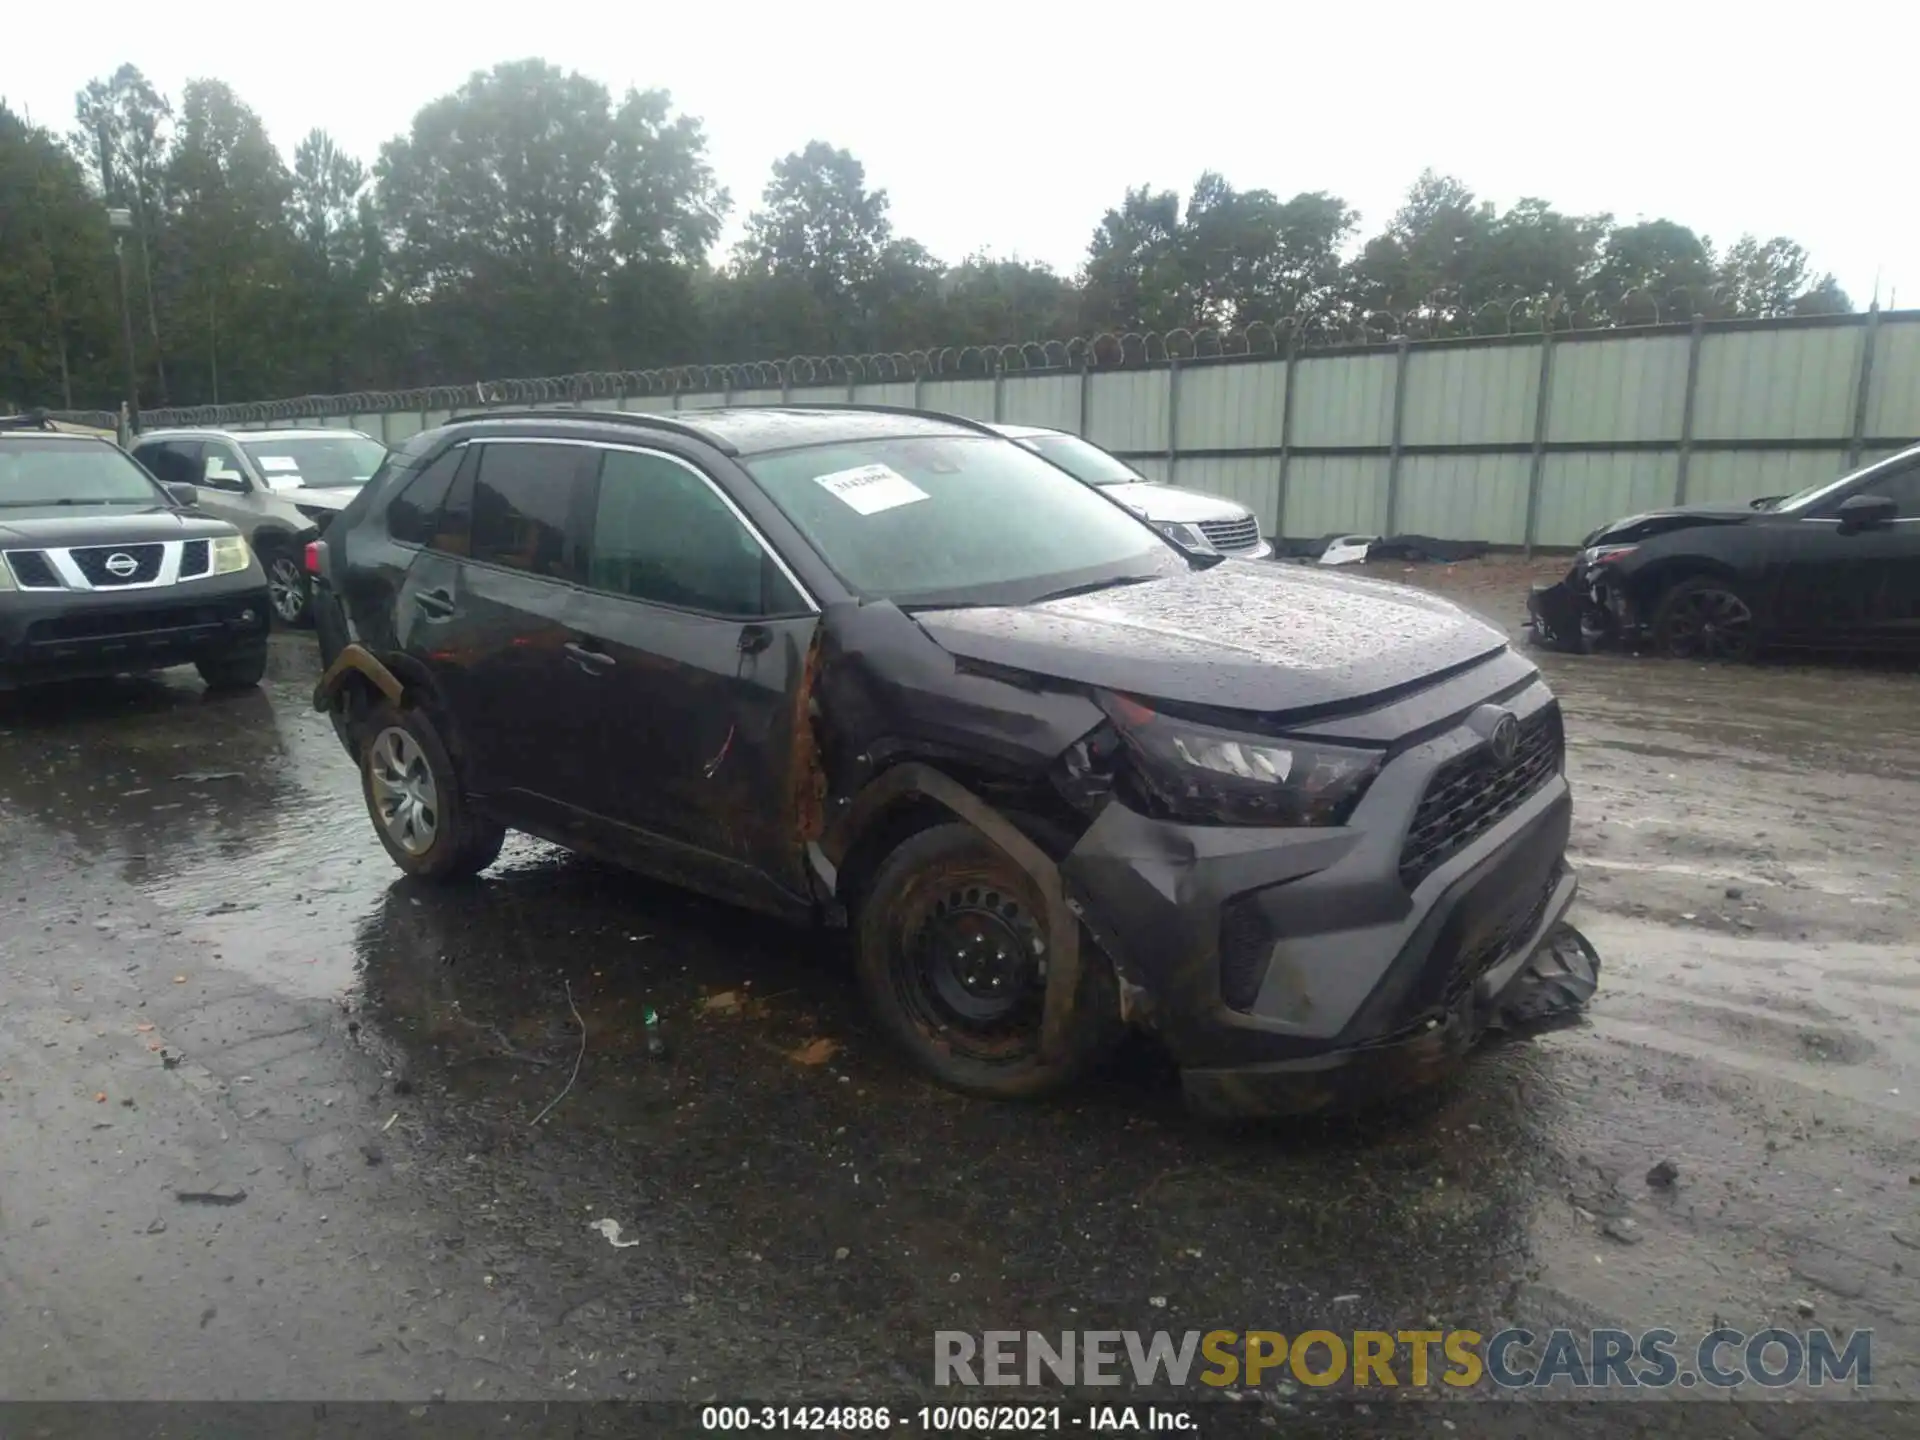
[[413, 516], [524, 501], [174, 462]]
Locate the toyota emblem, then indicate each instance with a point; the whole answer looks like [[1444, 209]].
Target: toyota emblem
[[1504, 742], [121, 564]]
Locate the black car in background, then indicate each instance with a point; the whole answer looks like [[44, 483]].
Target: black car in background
[[104, 571], [1836, 566], [892, 671]]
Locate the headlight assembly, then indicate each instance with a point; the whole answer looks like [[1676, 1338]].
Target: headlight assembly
[[230, 554], [1187, 771]]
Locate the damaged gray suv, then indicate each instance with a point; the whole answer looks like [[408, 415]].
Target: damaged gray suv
[[890, 671]]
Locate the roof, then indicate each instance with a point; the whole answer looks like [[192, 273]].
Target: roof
[[36, 423], [298, 432], [1024, 432], [756, 429]]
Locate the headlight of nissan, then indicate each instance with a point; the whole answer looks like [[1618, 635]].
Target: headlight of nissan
[[230, 554], [1188, 771]]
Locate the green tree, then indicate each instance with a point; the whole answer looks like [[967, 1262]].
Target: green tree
[[230, 246], [57, 335], [1231, 258], [1762, 278], [511, 204], [122, 137], [821, 231], [1132, 280], [1666, 263]]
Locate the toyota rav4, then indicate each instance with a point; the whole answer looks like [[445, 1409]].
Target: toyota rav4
[[892, 671]]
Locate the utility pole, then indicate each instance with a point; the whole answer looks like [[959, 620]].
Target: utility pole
[[120, 222]]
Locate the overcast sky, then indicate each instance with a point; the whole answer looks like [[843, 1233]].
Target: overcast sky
[[1011, 127]]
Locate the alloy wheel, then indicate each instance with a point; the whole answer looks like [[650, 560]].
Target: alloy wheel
[[1709, 624], [286, 588], [404, 795]]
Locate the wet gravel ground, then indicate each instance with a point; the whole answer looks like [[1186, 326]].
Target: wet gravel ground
[[267, 1111]]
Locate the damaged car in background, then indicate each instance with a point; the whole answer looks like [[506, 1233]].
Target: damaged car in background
[[891, 671], [1836, 566]]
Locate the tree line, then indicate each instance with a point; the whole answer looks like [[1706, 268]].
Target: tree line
[[534, 223]]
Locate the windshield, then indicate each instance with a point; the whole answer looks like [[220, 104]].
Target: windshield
[[316, 462], [47, 470], [958, 520], [1813, 494], [1084, 461]]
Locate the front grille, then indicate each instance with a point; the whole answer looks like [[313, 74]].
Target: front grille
[[98, 564], [196, 558], [1470, 794], [146, 624], [1241, 534], [31, 570]]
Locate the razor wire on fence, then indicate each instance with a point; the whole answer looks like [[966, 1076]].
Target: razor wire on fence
[[1437, 317]]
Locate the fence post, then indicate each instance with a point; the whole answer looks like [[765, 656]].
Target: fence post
[[1537, 466], [1695, 340], [1173, 418], [676, 392], [999, 388], [1393, 450], [1865, 389], [1286, 436], [853, 386], [919, 390], [1086, 395], [786, 386]]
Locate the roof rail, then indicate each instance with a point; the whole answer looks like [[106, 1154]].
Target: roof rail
[[640, 419], [966, 421]]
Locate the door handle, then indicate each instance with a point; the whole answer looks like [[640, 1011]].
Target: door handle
[[591, 661], [437, 603]]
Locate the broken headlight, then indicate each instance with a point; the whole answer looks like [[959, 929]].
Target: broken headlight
[[1182, 770]]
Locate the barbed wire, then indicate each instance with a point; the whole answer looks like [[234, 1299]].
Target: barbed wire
[[1440, 316]]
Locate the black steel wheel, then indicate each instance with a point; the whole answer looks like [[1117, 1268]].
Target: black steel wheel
[[953, 949], [1706, 618]]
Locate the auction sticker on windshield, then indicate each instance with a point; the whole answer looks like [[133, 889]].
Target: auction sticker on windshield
[[869, 489]]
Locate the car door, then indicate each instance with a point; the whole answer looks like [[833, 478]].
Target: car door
[[687, 674], [1853, 587], [1891, 567], [485, 608]]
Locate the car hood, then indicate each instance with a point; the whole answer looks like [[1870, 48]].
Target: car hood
[[1172, 505], [1242, 635], [1674, 517], [330, 499], [63, 525]]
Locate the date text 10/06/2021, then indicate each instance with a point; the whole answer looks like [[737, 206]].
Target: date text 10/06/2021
[[939, 1419]]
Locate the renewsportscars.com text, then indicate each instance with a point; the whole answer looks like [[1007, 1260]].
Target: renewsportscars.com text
[[1722, 1359]]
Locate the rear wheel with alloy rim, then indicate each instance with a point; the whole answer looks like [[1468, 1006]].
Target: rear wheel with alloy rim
[[1705, 618], [416, 802], [288, 589]]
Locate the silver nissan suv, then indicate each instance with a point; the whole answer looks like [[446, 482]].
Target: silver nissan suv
[[280, 487]]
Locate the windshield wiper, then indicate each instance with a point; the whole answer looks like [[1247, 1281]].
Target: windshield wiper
[[1091, 586], [64, 500]]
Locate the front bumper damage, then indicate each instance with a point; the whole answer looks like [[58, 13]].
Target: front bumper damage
[[1296, 971], [1581, 612]]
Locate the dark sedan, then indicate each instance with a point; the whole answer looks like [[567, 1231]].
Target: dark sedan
[[1836, 566]]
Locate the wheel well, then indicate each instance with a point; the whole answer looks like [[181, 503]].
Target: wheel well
[[1652, 584], [1036, 815], [357, 698]]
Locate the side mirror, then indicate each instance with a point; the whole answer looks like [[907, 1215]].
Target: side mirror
[[185, 496], [1865, 512]]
